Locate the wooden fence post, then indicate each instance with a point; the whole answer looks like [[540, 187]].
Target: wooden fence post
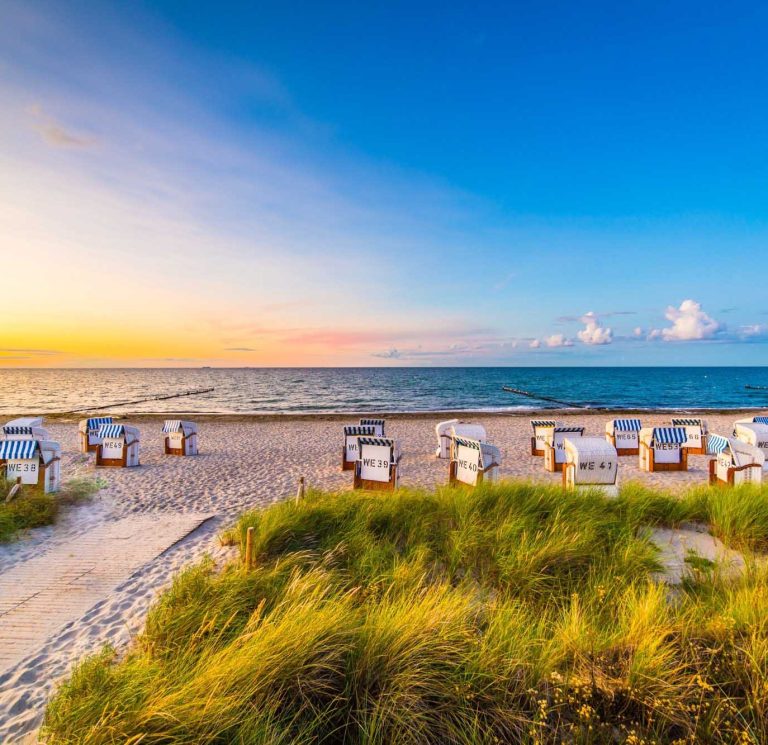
[[300, 491], [248, 548]]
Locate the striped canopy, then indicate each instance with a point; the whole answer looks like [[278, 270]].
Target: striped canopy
[[385, 441], [716, 444], [673, 435], [580, 430], [356, 429], [17, 449], [760, 419], [95, 422], [676, 422], [542, 423], [15, 429], [111, 430], [627, 425], [172, 425], [467, 443], [372, 422]]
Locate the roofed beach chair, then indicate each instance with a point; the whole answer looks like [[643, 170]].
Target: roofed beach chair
[[473, 462], [446, 431], [180, 437], [349, 451], [24, 428], [754, 432], [554, 445], [35, 463], [378, 463], [736, 462], [591, 463], [542, 428], [119, 446], [662, 449], [89, 432], [377, 424], [696, 431], [624, 435]]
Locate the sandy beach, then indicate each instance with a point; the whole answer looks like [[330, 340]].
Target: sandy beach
[[244, 463]]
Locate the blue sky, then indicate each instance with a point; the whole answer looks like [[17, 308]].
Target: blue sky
[[503, 183]]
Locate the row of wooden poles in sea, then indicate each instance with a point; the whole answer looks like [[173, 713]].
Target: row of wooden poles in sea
[[31, 459]]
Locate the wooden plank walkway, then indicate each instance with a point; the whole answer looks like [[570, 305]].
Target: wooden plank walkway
[[41, 595]]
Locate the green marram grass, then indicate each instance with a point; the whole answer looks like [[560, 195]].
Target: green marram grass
[[34, 509], [515, 613]]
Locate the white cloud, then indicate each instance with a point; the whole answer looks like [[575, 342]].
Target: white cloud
[[689, 323], [535, 344], [593, 332], [558, 340], [638, 331], [755, 329]]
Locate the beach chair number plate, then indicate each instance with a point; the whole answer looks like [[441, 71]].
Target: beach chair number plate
[[26, 469], [175, 440], [667, 452], [351, 448], [694, 437], [375, 465], [112, 449], [592, 465], [467, 460], [626, 440]]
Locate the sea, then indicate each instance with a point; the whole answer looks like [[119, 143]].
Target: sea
[[352, 390]]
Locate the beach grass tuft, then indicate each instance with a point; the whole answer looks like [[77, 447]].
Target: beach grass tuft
[[514, 613], [34, 509]]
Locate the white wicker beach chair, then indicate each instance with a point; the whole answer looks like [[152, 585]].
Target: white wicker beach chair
[[662, 449], [180, 437], [736, 462], [554, 445], [34, 463], [591, 463], [624, 435], [473, 462], [378, 463], [119, 446]]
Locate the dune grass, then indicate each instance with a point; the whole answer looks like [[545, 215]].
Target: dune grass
[[512, 614], [34, 509]]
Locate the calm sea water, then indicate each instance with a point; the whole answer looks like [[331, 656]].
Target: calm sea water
[[316, 390]]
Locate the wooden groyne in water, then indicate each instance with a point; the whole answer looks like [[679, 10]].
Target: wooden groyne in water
[[164, 397], [520, 392]]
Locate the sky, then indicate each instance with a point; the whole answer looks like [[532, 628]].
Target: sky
[[334, 184]]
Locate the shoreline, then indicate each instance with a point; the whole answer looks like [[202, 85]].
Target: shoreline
[[64, 417]]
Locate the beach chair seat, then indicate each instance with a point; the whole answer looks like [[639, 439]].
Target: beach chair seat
[[473, 462], [591, 463], [24, 428], [33, 463], [735, 463], [180, 437], [696, 432], [554, 445], [624, 435], [378, 464], [350, 449], [753, 432], [119, 446], [446, 431], [377, 424], [662, 449], [542, 429], [88, 430]]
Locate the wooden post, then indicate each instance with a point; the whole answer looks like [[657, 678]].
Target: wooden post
[[300, 490], [248, 548]]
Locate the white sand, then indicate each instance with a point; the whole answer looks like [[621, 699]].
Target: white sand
[[243, 464]]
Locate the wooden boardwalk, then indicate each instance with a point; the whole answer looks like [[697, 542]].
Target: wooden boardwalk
[[41, 595]]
